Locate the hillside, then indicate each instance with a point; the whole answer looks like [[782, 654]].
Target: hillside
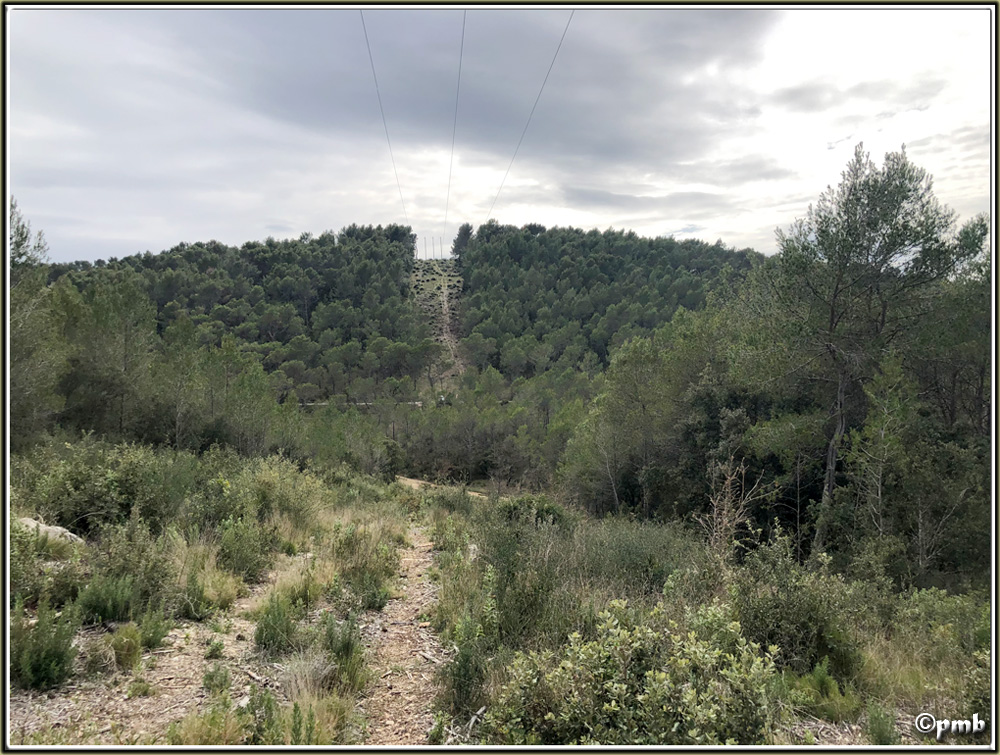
[[721, 498]]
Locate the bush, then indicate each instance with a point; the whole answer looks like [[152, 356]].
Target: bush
[[26, 579], [779, 602], [636, 683], [214, 651], [819, 694], [276, 630], [368, 560], [108, 598], [342, 642], [880, 726], [41, 654], [153, 627], [246, 549], [216, 679], [131, 552], [532, 509], [126, 642]]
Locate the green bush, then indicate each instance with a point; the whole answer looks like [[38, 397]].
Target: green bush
[[276, 631], [126, 642], [108, 598], [246, 549], [532, 509], [342, 642], [369, 562], [802, 612], [216, 679], [153, 627], [25, 575], [41, 654], [214, 651], [131, 551], [880, 726], [819, 694], [636, 683], [961, 622]]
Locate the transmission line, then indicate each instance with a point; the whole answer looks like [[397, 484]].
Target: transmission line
[[559, 47], [386, 127], [454, 128]]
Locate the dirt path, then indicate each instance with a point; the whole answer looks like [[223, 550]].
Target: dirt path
[[420, 484], [404, 655]]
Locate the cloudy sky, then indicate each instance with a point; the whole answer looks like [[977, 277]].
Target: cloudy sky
[[135, 129]]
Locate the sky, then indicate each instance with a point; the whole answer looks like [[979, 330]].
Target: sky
[[135, 129]]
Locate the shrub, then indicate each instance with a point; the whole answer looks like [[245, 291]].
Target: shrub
[[368, 560], [216, 679], [532, 509], [276, 631], [126, 642], [25, 574], [153, 627], [41, 655], [342, 642], [108, 598], [140, 688], [130, 551], [636, 683], [245, 549], [779, 602], [214, 651], [819, 694], [880, 726]]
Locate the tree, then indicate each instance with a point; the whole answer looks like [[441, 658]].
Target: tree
[[853, 278], [37, 349]]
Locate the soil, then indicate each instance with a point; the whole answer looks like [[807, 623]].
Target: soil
[[96, 709], [404, 655]]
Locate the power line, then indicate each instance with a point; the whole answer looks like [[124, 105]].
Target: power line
[[559, 47], [386, 127], [454, 128]]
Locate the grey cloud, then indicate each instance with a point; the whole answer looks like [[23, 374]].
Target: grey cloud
[[819, 96]]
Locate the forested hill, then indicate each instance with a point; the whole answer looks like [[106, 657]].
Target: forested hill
[[535, 296], [333, 315], [325, 315]]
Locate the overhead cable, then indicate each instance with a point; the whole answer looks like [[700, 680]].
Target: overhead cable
[[542, 89], [454, 128], [384, 125]]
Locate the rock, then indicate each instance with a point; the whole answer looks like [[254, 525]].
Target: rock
[[60, 533]]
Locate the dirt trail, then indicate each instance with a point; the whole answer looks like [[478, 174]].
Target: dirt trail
[[420, 484], [404, 655]]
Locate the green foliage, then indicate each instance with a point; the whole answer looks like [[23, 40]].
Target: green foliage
[[801, 611], [880, 726], [533, 509], [25, 573], [957, 624], [214, 651], [126, 642], [637, 682], [341, 640], [153, 627], [140, 688], [108, 598], [263, 722], [276, 631], [819, 694], [246, 548], [217, 678], [42, 653], [369, 561]]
